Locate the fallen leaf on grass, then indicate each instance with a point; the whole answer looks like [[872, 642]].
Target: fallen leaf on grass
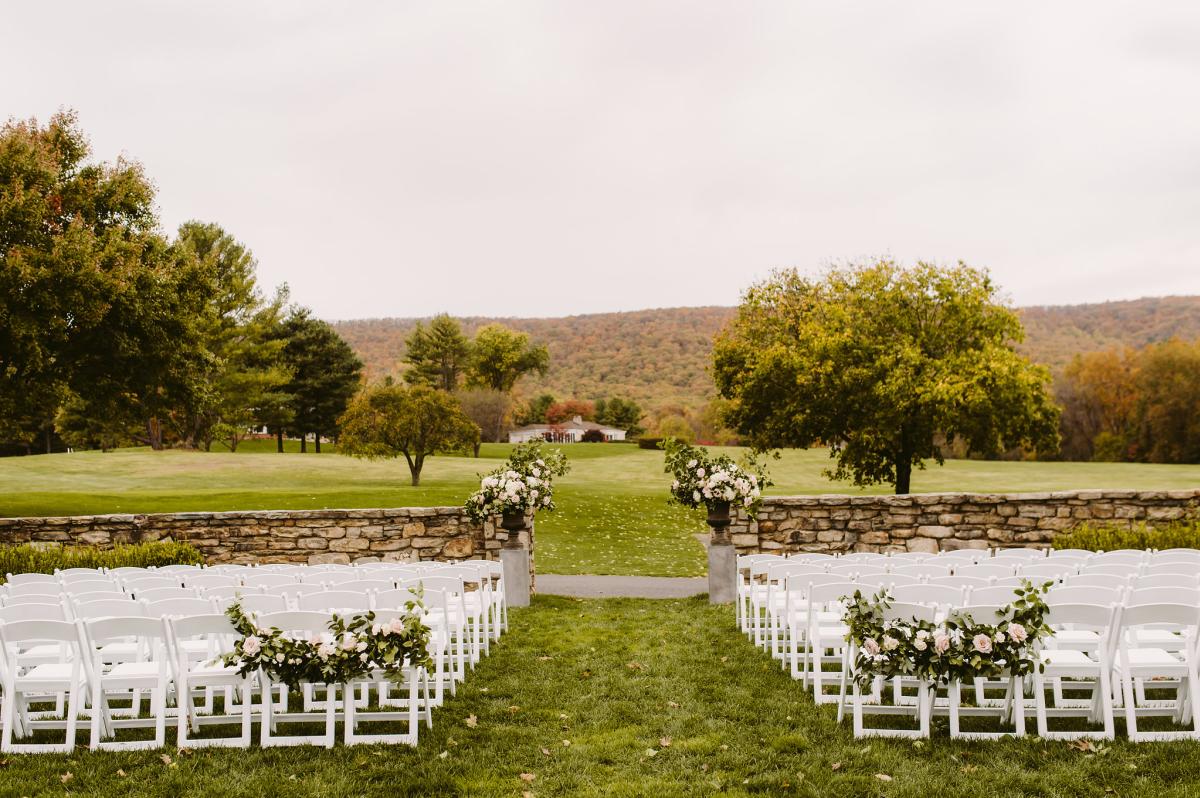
[[166, 759], [121, 773], [665, 742], [724, 748], [883, 777], [472, 721], [514, 709], [724, 659], [546, 751], [528, 777], [837, 766], [566, 743], [543, 659], [634, 666], [651, 752], [64, 778], [443, 754], [672, 705]]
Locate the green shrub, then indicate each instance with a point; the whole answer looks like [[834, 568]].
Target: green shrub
[[1102, 537], [38, 560], [649, 443]]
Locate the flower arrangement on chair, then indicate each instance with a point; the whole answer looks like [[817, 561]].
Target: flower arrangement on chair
[[350, 649], [961, 648]]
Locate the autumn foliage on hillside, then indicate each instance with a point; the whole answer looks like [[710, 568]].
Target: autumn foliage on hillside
[[662, 357]]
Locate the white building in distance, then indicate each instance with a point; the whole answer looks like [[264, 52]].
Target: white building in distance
[[565, 432]]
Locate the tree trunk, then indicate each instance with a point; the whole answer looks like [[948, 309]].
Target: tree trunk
[[414, 468], [303, 443], [49, 448], [233, 442], [279, 440], [317, 442], [903, 475], [477, 447]]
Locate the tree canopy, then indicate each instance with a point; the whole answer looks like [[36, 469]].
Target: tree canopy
[[325, 375], [389, 421], [502, 356], [438, 355], [884, 365]]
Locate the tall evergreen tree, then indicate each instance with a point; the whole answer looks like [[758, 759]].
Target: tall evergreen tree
[[437, 355], [326, 374]]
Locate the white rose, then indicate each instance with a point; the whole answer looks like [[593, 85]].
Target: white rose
[[696, 496], [251, 645], [691, 464]]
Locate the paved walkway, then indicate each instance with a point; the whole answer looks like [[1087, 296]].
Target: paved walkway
[[586, 586]]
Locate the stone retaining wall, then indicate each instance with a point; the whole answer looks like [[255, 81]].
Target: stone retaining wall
[[944, 521], [306, 536]]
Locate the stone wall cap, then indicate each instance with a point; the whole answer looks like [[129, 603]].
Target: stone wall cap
[[235, 515], [908, 499]]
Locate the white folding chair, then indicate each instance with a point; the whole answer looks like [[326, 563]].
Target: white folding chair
[[942, 597], [989, 569], [195, 677], [205, 580], [1150, 663], [329, 601], [925, 570], [825, 640], [1070, 554], [1091, 661], [1009, 707], [414, 705], [160, 593], [148, 670], [919, 709], [64, 680], [306, 625], [1020, 555], [268, 579], [178, 607], [1048, 571], [81, 586], [14, 580], [260, 603], [744, 582]]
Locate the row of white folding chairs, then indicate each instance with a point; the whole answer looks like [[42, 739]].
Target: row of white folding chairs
[[816, 638], [1111, 651], [469, 628], [84, 665]]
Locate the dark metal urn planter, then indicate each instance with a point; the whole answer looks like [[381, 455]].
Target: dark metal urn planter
[[512, 522], [719, 520]]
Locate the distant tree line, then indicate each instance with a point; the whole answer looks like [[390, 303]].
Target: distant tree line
[[111, 333], [1133, 405]]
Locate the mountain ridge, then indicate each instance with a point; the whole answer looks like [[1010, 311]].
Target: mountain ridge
[[660, 356]]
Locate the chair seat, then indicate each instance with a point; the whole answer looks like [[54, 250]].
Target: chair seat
[[1066, 657], [1151, 657], [132, 670], [47, 672], [1159, 638], [1076, 637]]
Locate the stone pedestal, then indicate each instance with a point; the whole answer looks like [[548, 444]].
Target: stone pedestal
[[515, 562], [722, 572]]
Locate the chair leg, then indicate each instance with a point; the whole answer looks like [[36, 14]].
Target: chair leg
[[1130, 708]]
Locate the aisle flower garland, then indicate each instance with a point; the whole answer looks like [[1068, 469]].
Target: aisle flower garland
[[351, 648], [960, 648]]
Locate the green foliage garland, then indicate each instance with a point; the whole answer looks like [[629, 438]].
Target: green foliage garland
[[961, 648], [352, 648]]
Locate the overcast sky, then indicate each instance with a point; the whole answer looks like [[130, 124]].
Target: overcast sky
[[543, 159]]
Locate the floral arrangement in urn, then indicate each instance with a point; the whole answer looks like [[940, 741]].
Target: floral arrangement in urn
[[524, 484], [716, 483], [350, 649]]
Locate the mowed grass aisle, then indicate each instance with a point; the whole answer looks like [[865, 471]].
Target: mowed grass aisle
[[627, 697], [613, 516]]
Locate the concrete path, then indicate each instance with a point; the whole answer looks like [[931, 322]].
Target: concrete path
[[609, 586]]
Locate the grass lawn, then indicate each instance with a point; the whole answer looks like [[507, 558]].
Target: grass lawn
[[613, 516], [627, 697]]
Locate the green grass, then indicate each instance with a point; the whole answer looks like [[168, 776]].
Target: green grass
[[586, 696], [613, 516]]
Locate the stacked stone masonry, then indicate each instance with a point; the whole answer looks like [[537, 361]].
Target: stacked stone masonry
[[302, 536], [945, 521]]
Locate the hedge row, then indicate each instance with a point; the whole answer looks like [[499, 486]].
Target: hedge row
[[37, 560], [1179, 535]]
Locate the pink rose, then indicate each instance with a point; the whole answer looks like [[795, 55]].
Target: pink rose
[[941, 643], [396, 625], [1017, 632], [349, 642], [251, 646], [983, 644], [870, 646]]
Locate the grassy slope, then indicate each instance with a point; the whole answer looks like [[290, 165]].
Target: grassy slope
[[613, 517], [582, 694]]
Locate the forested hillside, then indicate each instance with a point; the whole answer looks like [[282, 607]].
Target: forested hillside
[[660, 357]]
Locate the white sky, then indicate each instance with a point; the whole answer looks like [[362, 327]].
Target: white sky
[[542, 159]]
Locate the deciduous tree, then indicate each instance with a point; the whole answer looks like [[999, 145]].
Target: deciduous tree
[[878, 362], [502, 356], [390, 421]]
